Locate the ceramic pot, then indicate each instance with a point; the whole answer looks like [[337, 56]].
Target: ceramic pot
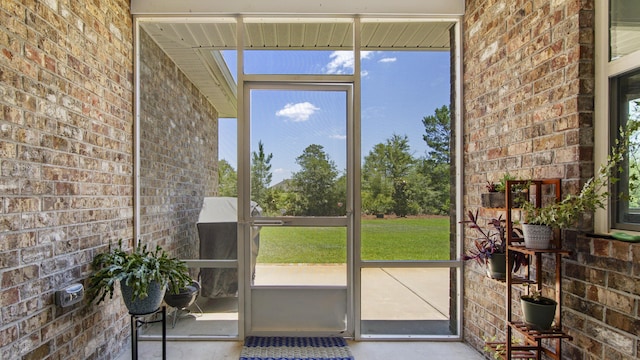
[[497, 267], [538, 315], [184, 298], [537, 236], [147, 305]]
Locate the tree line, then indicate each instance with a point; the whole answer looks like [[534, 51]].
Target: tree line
[[394, 181]]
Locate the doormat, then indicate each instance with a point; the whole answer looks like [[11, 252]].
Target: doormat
[[295, 348]]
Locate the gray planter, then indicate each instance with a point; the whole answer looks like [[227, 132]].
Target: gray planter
[[147, 305], [538, 315], [537, 236], [498, 199], [497, 268]]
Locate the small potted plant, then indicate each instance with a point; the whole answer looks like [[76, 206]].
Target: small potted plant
[[143, 276], [492, 198], [490, 247], [538, 311], [495, 195], [539, 221]]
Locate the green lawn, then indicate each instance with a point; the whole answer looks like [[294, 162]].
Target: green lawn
[[382, 239]]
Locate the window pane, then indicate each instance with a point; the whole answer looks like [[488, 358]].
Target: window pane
[[624, 27], [405, 156], [301, 256], [298, 62], [298, 152], [408, 301], [282, 47], [627, 90], [409, 238], [206, 314]]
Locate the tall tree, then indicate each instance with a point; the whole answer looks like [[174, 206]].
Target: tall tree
[[260, 174], [437, 135], [385, 172], [227, 179], [400, 160], [436, 167], [315, 183]]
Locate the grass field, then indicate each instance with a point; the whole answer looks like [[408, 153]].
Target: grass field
[[382, 239]]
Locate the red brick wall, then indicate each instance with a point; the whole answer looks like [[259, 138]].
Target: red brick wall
[[528, 109], [66, 166]]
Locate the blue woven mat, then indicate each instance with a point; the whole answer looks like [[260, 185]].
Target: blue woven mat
[[295, 348]]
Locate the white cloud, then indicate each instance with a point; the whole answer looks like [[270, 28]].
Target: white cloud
[[388, 60], [364, 73], [298, 112], [342, 61], [338, 137]]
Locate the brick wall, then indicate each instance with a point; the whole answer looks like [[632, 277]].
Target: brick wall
[[178, 153], [602, 299], [66, 167], [66, 170], [528, 109]]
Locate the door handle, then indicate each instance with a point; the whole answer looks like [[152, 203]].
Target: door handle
[[268, 223]]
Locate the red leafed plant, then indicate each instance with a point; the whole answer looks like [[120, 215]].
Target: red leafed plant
[[491, 240]]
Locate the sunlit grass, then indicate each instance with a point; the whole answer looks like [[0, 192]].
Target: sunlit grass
[[382, 239]]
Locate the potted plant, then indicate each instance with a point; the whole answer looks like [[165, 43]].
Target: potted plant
[[538, 311], [539, 221], [490, 247], [143, 276], [495, 195], [492, 198]]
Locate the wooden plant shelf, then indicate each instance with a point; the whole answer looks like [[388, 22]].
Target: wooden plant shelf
[[539, 335], [517, 352], [533, 252], [536, 343]]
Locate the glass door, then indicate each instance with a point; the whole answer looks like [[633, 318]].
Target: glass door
[[300, 204]]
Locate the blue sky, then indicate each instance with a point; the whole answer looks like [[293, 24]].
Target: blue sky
[[399, 88]]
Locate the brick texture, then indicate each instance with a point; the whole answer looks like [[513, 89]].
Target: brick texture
[[179, 158], [528, 109], [66, 167]]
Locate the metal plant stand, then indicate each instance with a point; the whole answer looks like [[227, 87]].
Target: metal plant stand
[[137, 320]]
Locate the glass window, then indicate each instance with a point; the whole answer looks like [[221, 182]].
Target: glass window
[[408, 301], [625, 109], [311, 47], [405, 156], [624, 28]]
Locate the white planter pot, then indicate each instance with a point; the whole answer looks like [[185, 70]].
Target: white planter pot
[[537, 236]]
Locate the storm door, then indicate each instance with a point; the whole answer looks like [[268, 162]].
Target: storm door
[[300, 201]]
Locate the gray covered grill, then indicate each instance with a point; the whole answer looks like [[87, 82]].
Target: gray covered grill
[[218, 233]]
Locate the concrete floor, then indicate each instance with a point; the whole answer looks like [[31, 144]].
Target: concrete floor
[[415, 290], [361, 350]]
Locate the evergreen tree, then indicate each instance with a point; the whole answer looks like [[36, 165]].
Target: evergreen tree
[[260, 174], [437, 166]]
